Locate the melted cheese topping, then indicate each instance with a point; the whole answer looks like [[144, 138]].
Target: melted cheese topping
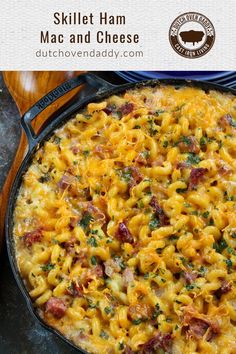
[[125, 224]]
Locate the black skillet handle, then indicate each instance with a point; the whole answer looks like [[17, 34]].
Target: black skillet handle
[[90, 79]]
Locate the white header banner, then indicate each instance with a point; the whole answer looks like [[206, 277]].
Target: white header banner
[[117, 35]]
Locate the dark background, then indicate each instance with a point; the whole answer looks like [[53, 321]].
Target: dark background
[[20, 333]]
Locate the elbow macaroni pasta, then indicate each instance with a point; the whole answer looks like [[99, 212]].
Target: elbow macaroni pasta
[[125, 224]]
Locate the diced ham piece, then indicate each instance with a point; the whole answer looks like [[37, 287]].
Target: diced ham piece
[[109, 109], [159, 341], [94, 273], [158, 161], [190, 144], [189, 276], [182, 165], [224, 170], [70, 245], [225, 121], [154, 204], [126, 108], [75, 149], [80, 257], [29, 238], [199, 325], [196, 175], [95, 212], [73, 222], [136, 176], [225, 287], [111, 266], [81, 335], [128, 276], [75, 290], [163, 218], [56, 307], [99, 151], [141, 160], [140, 311], [65, 182], [197, 328], [102, 150], [158, 291], [97, 271], [123, 234]]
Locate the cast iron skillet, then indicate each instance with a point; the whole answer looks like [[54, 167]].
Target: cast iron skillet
[[103, 89]]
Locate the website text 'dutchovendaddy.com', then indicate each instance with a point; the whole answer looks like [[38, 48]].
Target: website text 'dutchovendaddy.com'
[[93, 53]]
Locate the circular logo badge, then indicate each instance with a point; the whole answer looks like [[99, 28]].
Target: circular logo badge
[[192, 35]]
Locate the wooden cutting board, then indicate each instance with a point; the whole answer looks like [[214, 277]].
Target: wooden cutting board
[[26, 88]]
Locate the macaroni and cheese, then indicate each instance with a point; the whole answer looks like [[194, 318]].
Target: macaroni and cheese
[[125, 224]]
